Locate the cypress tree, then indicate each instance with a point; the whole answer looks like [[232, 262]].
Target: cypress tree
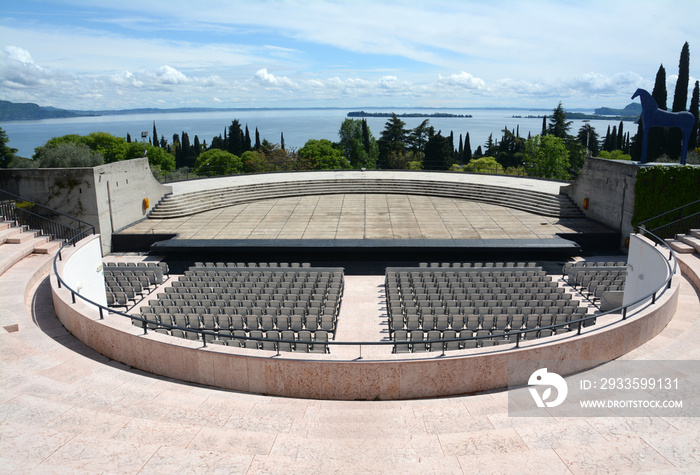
[[246, 144], [620, 137], [460, 151], [257, 139], [680, 99], [282, 140], [613, 139], [467, 149], [695, 110], [680, 96], [606, 143], [366, 143], [155, 135], [657, 135], [128, 137], [544, 126], [197, 146]]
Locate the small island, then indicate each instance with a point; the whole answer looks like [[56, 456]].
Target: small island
[[409, 115]]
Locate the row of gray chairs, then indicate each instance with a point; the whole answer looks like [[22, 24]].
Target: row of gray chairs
[[283, 265], [477, 265], [301, 342]]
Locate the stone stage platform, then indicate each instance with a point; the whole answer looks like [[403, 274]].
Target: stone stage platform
[[360, 230]]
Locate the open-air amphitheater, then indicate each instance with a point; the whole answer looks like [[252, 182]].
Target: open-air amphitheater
[[331, 322]]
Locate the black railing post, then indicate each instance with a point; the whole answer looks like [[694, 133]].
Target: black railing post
[[72, 295], [101, 316]]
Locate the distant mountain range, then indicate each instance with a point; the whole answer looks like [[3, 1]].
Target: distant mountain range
[[30, 111], [633, 109]]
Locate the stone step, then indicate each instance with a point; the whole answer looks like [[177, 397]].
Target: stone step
[[48, 247], [690, 241], [21, 237], [680, 247], [694, 233], [8, 233], [190, 203]]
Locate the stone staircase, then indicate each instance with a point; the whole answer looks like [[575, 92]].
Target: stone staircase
[[544, 204], [17, 242], [686, 243]]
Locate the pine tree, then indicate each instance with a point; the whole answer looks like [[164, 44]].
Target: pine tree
[[695, 110], [680, 99], [155, 135], [558, 125]]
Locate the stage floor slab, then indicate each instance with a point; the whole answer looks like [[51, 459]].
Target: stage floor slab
[[365, 217]]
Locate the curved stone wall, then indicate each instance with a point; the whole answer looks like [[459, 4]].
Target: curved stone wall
[[326, 377]]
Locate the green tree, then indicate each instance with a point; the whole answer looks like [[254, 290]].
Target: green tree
[[357, 144], [236, 138], [614, 155], [392, 144], [155, 135], [254, 161], [547, 157], [438, 154], [558, 125], [418, 138], [467, 149], [67, 155], [218, 162], [7, 153], [588, 137], [695, 110], [657, 135], [483, 165], [674, 142], [322, 155]]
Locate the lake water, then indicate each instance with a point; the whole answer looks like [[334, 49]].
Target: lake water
[[297, 125]]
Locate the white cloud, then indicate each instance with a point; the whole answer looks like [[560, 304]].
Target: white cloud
[[266, 79], [462, 80]]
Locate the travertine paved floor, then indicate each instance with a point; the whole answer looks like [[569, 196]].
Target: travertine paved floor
[[358, 216], [65, 409]]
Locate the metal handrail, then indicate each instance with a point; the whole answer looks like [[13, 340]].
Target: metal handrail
[[579, 322], [676, 222], [50, 210]]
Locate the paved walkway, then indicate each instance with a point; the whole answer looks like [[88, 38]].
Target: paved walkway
[[66, 409], [360, 216]]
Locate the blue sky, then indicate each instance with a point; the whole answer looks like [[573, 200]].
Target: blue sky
[[170, 53]]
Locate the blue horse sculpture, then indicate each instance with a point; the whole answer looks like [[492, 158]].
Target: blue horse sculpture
[[652, 116]]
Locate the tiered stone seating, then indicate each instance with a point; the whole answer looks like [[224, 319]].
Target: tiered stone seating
[[254, 306], [490, 302], [544, 204], [17, 242]]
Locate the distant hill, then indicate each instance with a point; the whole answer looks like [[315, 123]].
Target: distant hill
[[30, 111], [633, 109]]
